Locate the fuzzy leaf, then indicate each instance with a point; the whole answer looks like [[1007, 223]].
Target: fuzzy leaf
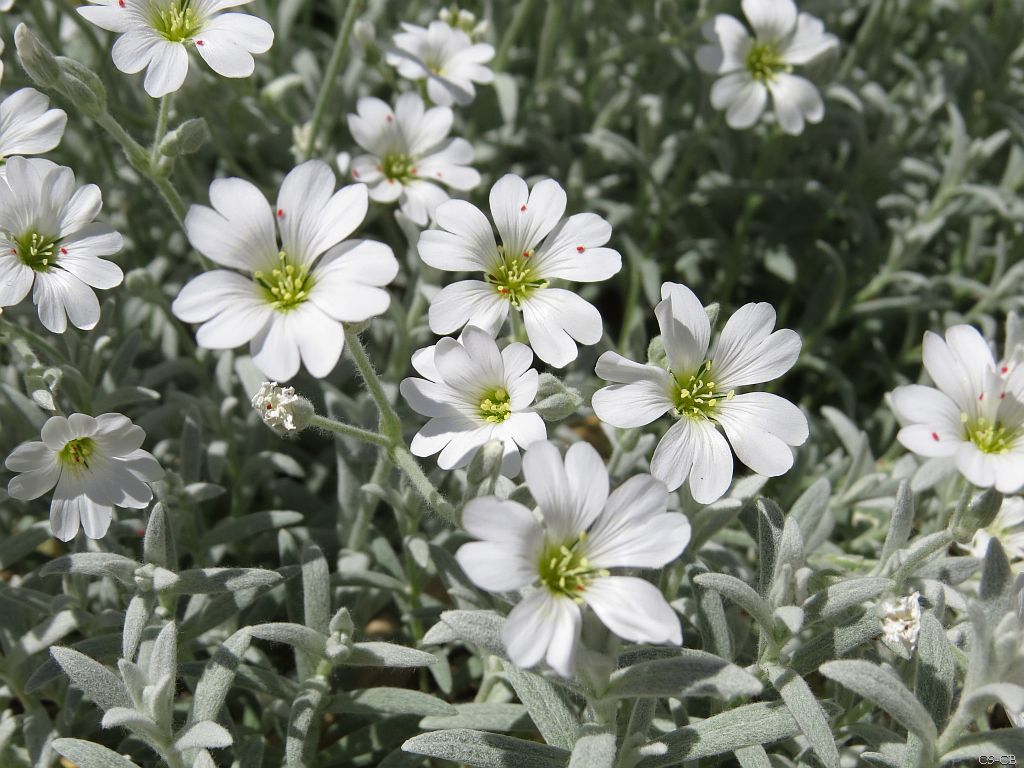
[[594, 748], [85, 754], [136, 619], [305, 639], [1004, 741], [843, 595], [548, 705], [207, 580], [238, 528], [479, 628], [205, 734], [158, 544], [691, 673], [883, 688], [316, 588], [492, 716], [97, 682], [936, 670], [391, 701], [740, 593], [486, 750], [376, 654], [807, 712], [218, 675], [94, 564]]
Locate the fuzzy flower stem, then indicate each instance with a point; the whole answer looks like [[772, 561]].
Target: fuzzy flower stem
[[331, 73], [347, 430], [391, 429], [160, 131]]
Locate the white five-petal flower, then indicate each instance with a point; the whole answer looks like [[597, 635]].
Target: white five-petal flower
[[96, 464], [446, 57], [27, 124], [474, 393], [156, 36], [50, 244], [517, 273], [411, 155], [565, 550], [751, 68], [698, 389], [295, 293], [975, 417]]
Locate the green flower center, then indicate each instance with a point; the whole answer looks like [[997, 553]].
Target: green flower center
[[565, 570], [695, 396], [36, 251], [764, 62], [287, 285], [397, 167], [989, 436], [76, 453], [176, 20], [496, 405], [514, 277]]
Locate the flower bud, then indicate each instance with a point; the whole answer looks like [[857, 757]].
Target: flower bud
[[977, 514], [37, 60], [486, 463], [82, 86], [186, 138]]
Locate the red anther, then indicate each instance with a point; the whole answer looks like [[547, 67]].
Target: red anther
[[413, 170], [439, 174], [355, 174], [280, 213], [1004, 369], [522, 208], [64, 251], [935, 436], [120, 3], [580, 249], [389, 118], [981, 396], [270, 407], [199, 42]]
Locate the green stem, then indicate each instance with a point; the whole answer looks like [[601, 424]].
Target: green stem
[[407, 463], [347, 430], [331, 74], [161, 130], [511, 33]]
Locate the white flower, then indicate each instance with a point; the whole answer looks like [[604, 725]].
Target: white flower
[[156, 35], [27, 124], [565, 550], [474, 393], [410, 154], [698, 390], [280, 408], [518, 272], [293, 296], [49, 243], [751, 68], [1008, 528], [95, 463], [901, 623], [975, 417], [446, 57]]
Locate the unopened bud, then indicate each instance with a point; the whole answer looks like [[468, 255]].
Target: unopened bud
[[37, 60], [486, 463], [186, 138], [82, 86], [977, 514]]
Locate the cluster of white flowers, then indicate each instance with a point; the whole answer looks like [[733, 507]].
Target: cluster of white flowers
[[901, 623]]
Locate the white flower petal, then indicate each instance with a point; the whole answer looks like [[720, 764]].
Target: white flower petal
[[320, 340], [348, 281], [747, 105], [631, 405], [60, 297], [15, 280], [27, 125], [468, 301], [312, 217], [633, 609], [685, 327], [495, 567], [936, 439], [673, 458], [771, 19], [529, 628], [588, 482], [730, 45], [573, 251], [978, 467], [711, 473], [275, 350], [809, 41], [524, 218], [567, 621], [795, 100], [167, 68], [238, 231], [29, 456], [748, 352], [437, 433], [554, 317], [466, 245], [34, 483], [761, 427], [64, 517]]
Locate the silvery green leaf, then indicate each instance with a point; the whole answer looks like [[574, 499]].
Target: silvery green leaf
[[97, 682], [479, 628], [316, 588], [134, 721], [740, 593], [38, 731], [136, 619], [486, 750], [769, 526], [375, 654], [203, 759], [491, 716], [995, 743], [420, 551], [8, 726], [595, 748], [743, 726], [218, 675], [199, 492], [691, 673], [158, 543], [507, 91], [234, 529], [554, 714], [204, 734], [901, 524], [158, 700], [95, 564], [835, 641], [391, 701], [811, 507], [45, 634], [936, 669], [207, 580], [303, 638], [843, 595], [791, 548], [997, 581], [303, 723], [713, 622], [187, 138], [163, 657], [1010, 695], [753, 757], [791, 617], [807, 712], [85, 754], [883, 688], [134, 681]]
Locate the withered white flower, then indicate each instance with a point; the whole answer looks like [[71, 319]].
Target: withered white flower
[[96, 464], [565, 550], [280, 408], [698, 389], [901, 623]]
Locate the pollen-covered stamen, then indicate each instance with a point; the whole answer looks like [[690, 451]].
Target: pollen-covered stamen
[[565, 570], [287, 285], [397, 167], [989, 436], [765, 63], [695, 395], [496, 405], [36, 251], [175, 20], [514, 277], [76, 453]]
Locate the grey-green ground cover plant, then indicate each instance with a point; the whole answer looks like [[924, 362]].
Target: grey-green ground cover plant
[[577, 384]]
